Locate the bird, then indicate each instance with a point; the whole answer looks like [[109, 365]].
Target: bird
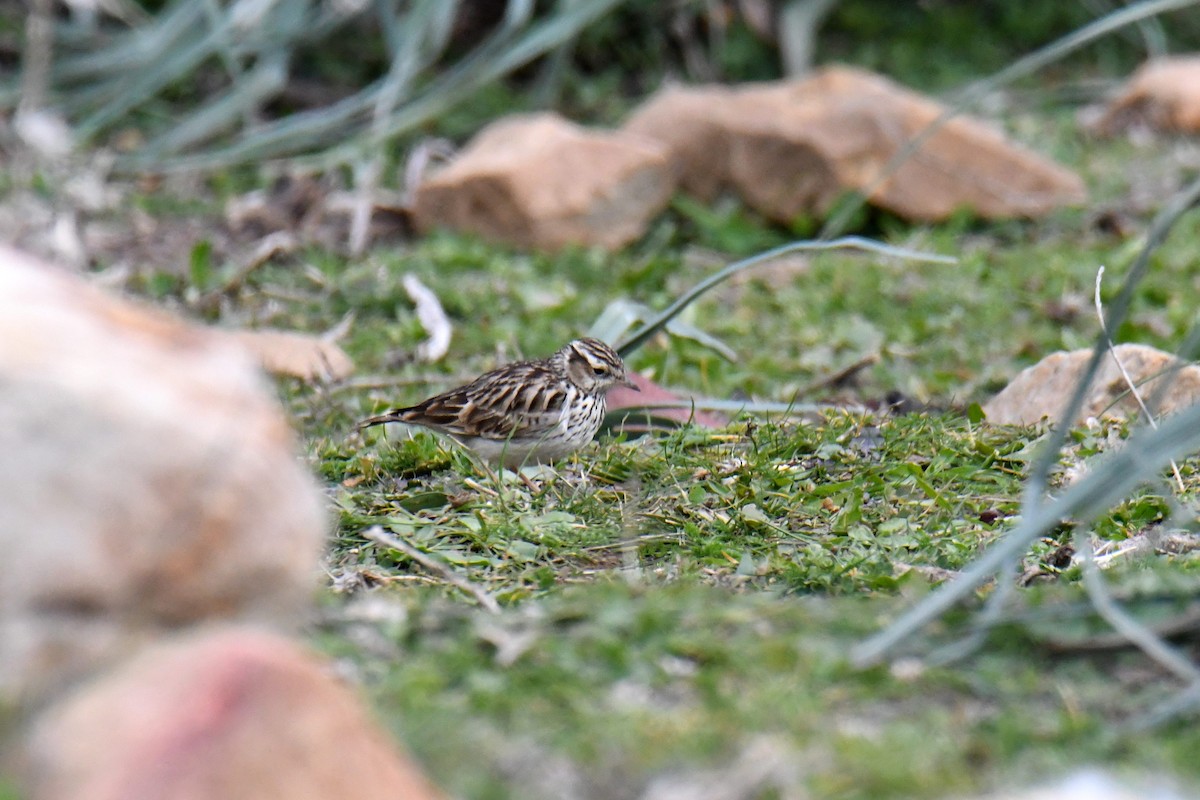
[[526, 411]]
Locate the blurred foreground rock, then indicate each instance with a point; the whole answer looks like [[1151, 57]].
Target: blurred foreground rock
[[148, 481], [539, 181], [1041, 391], [230, 713], [794, 148], [149, 489], [1163, 95]]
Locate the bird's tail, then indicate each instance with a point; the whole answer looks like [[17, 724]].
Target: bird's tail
[[395, 415]]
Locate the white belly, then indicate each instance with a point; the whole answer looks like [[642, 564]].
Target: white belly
[[575, 427]]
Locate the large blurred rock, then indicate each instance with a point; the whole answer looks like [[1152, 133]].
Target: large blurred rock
[[1163, 95], [230, 714], [1041, 391], [147, 481], [794, 148], [539, 181]]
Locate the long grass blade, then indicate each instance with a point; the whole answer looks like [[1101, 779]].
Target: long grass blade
[[1085, 498], [1146, 452], [348, 126], [254, 88], [639, 337]]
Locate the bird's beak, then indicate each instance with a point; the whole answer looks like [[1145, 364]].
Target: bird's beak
[[629, 384]]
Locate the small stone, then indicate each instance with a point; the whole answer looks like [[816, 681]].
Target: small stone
[[539, 181], [1163, 95], [1041, 391]]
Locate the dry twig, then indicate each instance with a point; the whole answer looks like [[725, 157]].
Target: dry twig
[[379, 536]]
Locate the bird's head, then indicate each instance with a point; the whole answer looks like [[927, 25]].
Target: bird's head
[[593, 366]]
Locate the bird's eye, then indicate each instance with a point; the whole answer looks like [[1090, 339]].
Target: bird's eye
[[599, 371]]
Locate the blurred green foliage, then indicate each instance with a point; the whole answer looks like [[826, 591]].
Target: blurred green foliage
[[603, 68]]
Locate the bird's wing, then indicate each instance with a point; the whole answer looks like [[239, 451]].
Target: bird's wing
[[516, 401]]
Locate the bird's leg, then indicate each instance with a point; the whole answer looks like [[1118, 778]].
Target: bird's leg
[[528, 481]]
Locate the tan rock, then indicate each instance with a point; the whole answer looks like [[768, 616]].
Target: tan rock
[[1163, 94], [539, 181], [231, 714], [1041, 391], [694, 124], [147, 481], [793, 148]]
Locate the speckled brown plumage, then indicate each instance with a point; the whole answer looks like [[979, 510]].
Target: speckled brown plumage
[[527, 411]]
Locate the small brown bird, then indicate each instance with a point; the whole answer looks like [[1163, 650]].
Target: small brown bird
[[527, 411]]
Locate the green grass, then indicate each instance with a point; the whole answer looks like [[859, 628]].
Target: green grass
[[617, 683], [668, 599], [836, 506]]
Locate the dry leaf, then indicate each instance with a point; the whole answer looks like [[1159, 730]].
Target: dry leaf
[[297, 355], [650, 393]]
